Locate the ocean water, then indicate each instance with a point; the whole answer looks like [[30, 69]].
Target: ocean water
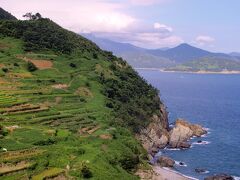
[[212, 100]]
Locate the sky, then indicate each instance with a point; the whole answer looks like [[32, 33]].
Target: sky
[[213, 25]]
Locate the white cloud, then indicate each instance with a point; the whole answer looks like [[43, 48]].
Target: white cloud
[[204, 40], [76, 15], [143, 39], [162, 27], [146, 2], [155, 40], [102, 17]]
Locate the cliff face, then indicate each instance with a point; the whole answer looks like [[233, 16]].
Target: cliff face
[[156, 134]]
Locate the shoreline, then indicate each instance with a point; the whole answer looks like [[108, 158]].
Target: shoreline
[[161, 173], [191, 72], [169, 174]]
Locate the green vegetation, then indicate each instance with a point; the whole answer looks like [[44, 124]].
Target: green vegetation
[[6, 15], [211, 64], [31, 67], [74, 113]]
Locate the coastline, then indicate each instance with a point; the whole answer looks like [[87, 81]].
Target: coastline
[[191, 72], [168, 174], [160, 173]]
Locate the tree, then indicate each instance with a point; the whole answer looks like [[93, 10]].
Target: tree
[[38, 16], [31, 67], [28, 15], [31, 16]]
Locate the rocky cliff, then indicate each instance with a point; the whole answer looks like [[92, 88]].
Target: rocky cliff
[[156, 134]]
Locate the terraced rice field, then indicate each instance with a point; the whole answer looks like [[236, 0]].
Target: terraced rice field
[[42, 115]]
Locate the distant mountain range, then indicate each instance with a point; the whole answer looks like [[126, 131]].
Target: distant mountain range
[[182, 56]]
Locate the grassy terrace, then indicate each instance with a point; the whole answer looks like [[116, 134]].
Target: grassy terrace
[[68, 110], [57, 121]]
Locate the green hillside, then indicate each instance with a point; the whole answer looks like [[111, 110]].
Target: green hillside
[[211, 64], [4, 15], [67, 108]]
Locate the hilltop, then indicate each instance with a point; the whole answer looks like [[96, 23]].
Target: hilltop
[[69, 109], [183, 55]]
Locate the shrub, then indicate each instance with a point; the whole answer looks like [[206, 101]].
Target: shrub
[[31, 67], [5, 70], [95, 56], [16, 64], [72, 65], [47, 142], [81, 151], [87, 84], [109, 105], [129, 162], [86, 172], [3, 130]]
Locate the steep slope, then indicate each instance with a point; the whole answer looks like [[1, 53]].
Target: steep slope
[[67, 108], [4, 15]]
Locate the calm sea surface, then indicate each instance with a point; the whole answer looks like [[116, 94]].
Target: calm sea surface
[[212, 100]]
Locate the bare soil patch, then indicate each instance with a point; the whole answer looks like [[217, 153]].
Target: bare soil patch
[[39, 63], [84, 91], [105, 136], [20, 154], [60, 86], [20, 75], [4, 46], [8, 168]]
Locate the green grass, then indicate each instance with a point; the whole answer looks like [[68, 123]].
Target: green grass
[[67, 114], [49, 173], [61, 131]]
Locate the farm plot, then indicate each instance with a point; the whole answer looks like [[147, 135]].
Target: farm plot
[[39, 63], [8, 101], [10, 168], [48, 173]]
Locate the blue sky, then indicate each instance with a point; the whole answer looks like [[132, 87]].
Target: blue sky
[[208, 24]]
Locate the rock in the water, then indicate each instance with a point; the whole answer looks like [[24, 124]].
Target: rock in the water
[[219, 177], [200, 170], [154, 150], [182, 132], [166, 161], [198, 130], [184, 145]]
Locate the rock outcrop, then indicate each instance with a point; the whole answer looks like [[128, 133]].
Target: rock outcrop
[[219, 177], [165, 161], [156, 135], [182, 132]]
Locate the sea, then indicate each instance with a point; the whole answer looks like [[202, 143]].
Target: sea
[[213, 101]]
